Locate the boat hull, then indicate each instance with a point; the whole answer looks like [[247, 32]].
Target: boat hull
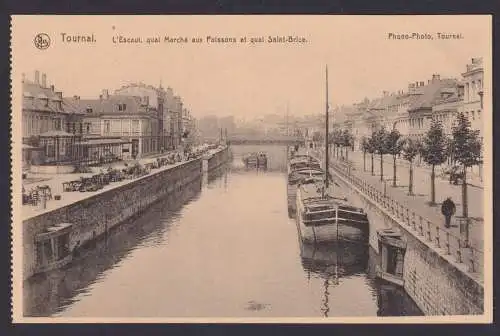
[[343, 231], [346, 228], [292, 198]]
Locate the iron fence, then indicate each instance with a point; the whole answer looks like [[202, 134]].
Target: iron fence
[[445, 241]]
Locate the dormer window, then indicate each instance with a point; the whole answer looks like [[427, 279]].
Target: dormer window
[[89, 110], [122, 107]]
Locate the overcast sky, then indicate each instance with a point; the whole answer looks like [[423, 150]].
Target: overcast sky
[[251, 80]]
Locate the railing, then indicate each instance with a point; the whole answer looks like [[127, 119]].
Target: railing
[[441, 238]]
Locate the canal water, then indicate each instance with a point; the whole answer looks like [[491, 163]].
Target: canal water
[[223, 247]]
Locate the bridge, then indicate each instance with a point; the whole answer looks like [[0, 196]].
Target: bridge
[[264, 140]]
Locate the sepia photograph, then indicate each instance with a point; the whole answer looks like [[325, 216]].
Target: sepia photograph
[[305, 169]]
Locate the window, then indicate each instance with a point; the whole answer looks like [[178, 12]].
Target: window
[[88, 128], [478, 114], [135, 126], [81, 128], [106, 126], [466, 91], [472, 115], [89, 110], [122, 107]]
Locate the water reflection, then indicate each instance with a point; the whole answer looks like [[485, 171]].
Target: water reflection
[[49, 293], [332, 263], [233, 252], [337, 262]]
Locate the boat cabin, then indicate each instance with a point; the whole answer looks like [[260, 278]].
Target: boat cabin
[[52, 247], [392, 251]]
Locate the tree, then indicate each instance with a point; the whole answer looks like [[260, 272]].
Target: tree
[[410, 150], [365, 144], [337, 140], [394, 145], [317, 137], [379, 138], [449, 150], [434, 152], [346, 141], [371, 150], [467, 150]]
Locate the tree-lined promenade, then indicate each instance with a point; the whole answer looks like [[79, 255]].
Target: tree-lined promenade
[[390, 158]]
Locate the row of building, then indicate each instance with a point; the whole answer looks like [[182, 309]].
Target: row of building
[[136, 120], [411, 111]]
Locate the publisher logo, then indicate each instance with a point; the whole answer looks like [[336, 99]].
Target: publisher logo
[[42, 41]]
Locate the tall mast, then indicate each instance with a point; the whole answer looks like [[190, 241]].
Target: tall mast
[[286, 118], [326, 133]]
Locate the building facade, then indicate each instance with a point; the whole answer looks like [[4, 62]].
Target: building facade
[[127, 118], [473, 81], [44, 111], [153, 98]]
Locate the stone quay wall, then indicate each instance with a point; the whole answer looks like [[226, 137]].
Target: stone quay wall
[[435, 277], [218, 158], [95, 215]]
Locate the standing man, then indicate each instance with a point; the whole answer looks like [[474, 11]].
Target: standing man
[[448, 209]]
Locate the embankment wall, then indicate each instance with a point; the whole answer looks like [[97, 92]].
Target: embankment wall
[[438, 285], [95, 215]]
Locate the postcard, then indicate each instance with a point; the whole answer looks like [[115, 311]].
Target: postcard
[[271, 169]]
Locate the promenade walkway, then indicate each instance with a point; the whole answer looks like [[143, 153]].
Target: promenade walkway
[[415, 210], [422, 184], [55, 182]]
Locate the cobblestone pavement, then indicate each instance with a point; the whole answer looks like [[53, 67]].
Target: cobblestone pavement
[[421, 189]]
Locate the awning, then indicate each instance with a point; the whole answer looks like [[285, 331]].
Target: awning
[[91, 142], [56, 134]]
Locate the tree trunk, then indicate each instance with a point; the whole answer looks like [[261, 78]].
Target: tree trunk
[[373, 173], [381, 167], [465, 209], [347, 153], [364, 161], [433, 187], [394, 171], [410, 187]]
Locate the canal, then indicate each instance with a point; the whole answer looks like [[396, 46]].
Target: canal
[[223, 247]]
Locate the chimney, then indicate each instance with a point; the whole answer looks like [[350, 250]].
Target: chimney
[[37, 77], [52, 88], [24, 77], [422, 83], [76, 97], [105, 94], [44, 80], [416, 84], [435, 77]]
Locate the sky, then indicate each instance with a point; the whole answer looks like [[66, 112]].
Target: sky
[[250, 80]]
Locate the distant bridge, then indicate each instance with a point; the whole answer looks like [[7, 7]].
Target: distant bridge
[[264, 140]]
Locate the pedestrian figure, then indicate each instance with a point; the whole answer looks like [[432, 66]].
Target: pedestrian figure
[[448, 209]]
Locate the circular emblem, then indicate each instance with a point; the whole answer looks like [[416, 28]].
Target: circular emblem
[[42, 41]]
